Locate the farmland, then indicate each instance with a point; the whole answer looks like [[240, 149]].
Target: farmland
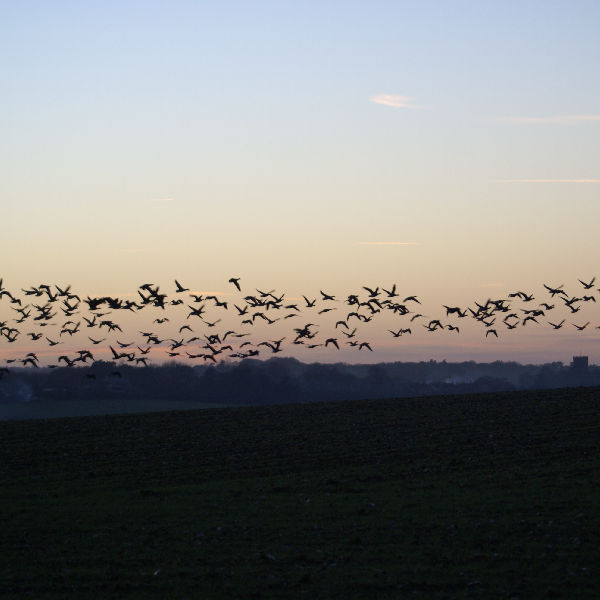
[[477, 496]]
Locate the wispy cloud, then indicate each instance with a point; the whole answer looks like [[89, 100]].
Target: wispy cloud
[[555, 119], [394, 101], [545, 181], [387, 243]]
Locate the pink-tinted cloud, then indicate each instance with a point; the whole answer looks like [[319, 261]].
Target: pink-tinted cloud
[[394, 101]]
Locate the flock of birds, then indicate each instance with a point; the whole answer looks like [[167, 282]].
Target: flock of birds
[[51, 316]]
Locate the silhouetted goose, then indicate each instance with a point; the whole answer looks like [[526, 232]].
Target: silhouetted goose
[[571, 301], [588, 285], [274, 347], [372, 293], [90, 322], [67, 360], [84, 355], [265, 294], [241, 311], [12, 298], [179, 288], [555, 290], [65, 292], [391, 293], [29, 361], [117, 355], [529, 318], [196, 312], [236, 282]]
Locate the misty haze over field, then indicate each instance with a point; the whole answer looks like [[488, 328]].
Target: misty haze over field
[[274, 381]]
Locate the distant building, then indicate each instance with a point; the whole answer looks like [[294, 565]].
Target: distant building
[[579, 364]]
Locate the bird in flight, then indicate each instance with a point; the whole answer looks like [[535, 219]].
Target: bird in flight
[[372, 293], [391, 293], [588, 285], [555, 290], [370, 305], [180, 288]]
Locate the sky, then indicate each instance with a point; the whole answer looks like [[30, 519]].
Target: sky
[[448, 147]]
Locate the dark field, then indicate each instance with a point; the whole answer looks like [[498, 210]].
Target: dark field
[[484, 496]]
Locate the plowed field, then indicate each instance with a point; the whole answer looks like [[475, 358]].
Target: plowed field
[[482, 496]]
